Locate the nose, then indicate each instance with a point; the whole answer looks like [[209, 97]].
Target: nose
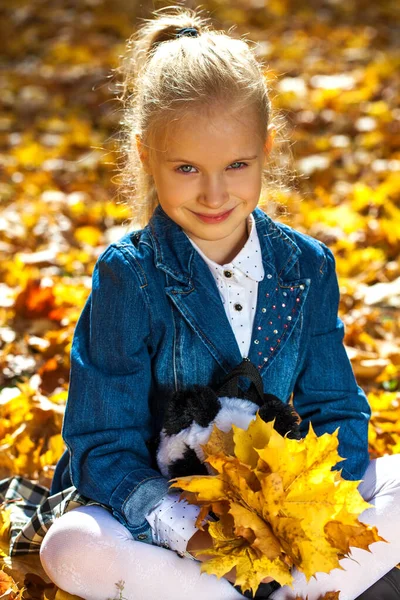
[[214, 192]]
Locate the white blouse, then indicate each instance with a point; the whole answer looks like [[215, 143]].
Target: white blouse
[[172, 522]]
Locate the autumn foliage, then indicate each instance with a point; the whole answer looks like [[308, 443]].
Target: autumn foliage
[[279, 505], [333, 69]]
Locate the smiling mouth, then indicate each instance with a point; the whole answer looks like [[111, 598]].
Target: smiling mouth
[[214, 216]]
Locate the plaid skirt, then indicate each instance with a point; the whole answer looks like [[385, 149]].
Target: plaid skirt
[[32, 511]]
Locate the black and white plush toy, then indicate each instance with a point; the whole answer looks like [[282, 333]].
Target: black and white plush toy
[[190, 415]]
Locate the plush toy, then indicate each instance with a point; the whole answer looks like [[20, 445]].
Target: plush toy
[[190, 415]]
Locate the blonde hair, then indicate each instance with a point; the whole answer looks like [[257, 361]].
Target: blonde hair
[[164, 77]]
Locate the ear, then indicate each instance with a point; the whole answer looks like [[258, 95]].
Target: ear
[[197, 403], [286, 418], [270, 139], [143, 154]]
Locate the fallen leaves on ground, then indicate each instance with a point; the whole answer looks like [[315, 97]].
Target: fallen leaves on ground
[[59, 196]]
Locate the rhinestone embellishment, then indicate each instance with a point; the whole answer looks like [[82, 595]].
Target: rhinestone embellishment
[[279, 306]]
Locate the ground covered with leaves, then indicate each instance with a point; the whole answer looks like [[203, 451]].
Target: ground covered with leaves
[[334, 74]]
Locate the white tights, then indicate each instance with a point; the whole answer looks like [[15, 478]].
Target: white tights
[[87, 551]]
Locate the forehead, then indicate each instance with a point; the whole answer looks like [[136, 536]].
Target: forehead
[[207, 134]]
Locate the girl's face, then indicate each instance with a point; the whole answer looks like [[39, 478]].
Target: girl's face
[[210, 166]]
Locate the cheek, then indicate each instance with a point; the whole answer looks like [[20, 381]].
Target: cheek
[[170, 192], [246, 187], [177, 186]]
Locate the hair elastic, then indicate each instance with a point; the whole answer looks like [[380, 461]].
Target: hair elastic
[[189, 31]]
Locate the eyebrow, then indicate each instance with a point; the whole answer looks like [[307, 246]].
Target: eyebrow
[[190, 162]]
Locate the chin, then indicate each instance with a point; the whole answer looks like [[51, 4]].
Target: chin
[[210, 233]]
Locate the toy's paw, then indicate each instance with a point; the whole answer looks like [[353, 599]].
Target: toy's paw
[[286, 418]]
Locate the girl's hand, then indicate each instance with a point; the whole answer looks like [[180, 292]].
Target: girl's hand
[[202, 540]]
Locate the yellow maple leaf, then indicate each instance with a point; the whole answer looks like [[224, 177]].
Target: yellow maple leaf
[[219, 442], [257, 435], [279, 504]]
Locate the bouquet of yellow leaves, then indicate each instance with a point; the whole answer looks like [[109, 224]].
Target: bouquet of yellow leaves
[[279, 504]]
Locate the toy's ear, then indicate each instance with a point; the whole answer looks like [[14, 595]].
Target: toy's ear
[[286, 418], [271, 398], [197, 403]]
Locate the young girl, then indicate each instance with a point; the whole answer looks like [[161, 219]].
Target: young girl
[[209, 280]]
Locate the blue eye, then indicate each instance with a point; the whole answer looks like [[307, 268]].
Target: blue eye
[[239, 163], [189, 173], [182, 167]]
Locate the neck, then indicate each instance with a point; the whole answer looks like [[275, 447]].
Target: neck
[[224, 251]]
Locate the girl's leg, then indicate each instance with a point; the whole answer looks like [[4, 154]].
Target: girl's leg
[[87, 551], [380, 487]]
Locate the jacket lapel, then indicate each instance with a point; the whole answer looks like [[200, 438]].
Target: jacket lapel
[[279, 304], [202, 308], [192, 289]]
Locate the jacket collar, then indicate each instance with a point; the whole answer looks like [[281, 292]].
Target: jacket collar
[[193, 290], [248, 261], [175, 255]]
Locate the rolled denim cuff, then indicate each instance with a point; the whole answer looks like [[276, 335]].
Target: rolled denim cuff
[[135, 496], [140, 534], [143, 498]]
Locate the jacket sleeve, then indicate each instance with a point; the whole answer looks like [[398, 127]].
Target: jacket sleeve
[[326, 392], [107, 418]]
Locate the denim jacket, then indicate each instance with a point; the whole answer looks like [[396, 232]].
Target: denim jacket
[[154, 323]]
